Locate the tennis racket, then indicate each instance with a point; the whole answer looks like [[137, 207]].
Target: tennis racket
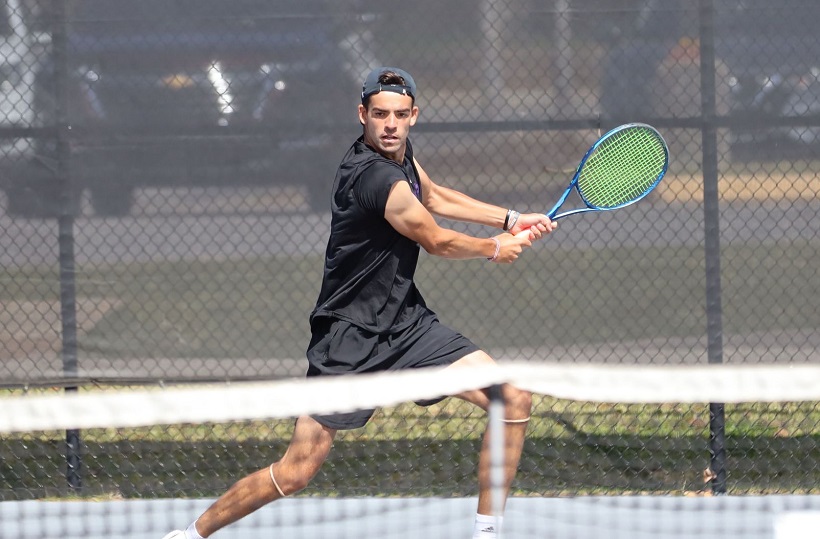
[[621, 168]]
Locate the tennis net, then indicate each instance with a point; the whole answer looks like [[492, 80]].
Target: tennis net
[[612, 451]]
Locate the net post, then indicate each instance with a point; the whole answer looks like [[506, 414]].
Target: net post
[[495, 427]]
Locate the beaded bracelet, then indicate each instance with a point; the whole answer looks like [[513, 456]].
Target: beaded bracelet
[[497, 250]]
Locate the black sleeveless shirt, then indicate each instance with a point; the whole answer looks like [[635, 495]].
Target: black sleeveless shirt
[[369, 266]]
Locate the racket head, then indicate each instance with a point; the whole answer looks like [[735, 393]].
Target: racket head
[[622, 167]]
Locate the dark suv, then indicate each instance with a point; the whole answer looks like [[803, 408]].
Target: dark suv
[[192, 93]]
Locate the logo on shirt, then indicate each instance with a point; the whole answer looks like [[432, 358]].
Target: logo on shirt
[[415, 187]]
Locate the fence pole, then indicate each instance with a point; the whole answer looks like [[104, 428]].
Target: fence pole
[[65, 226], [564, 66], [711, 210], [493, 23]]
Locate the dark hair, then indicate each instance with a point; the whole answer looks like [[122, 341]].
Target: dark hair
[[391, 78]]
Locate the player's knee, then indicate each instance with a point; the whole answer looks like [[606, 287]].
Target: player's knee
[[519, 402], [298, 483], [290, 480]]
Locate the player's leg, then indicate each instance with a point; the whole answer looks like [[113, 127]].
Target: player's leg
[[518, 405], [308, 449], [516, 419]]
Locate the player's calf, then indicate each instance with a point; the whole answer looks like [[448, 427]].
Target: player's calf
[[518, 405]]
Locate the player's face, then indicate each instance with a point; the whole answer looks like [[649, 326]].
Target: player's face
[[387, 122]]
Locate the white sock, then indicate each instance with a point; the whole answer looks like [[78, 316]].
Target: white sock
[[191, 533], [487, 527]]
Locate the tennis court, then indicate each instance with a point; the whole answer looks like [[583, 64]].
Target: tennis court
[[580, 518]]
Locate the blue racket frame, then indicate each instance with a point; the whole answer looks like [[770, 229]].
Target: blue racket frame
[[574, 183]]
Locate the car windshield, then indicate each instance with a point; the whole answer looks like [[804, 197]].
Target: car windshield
[[153, 11], [203, 27], [196, 21]]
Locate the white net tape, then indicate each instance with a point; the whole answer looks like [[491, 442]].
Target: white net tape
[[291, 398]]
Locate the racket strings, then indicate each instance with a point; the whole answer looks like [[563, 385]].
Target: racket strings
[[623, 168]]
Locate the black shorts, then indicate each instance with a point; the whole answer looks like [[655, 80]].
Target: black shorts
[[340, 347]]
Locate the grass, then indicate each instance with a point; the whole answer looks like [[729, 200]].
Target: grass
[[227, 309], [256, 308], [572, 448]]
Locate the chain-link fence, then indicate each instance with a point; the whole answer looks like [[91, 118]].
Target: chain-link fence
[[166, 168]]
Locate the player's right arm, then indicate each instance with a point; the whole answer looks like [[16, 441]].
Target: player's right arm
[[411, 219]]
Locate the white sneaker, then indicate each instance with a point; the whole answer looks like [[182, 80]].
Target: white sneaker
[[176, 534]]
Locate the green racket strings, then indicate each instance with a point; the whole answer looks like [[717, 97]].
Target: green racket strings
[[623, 168]]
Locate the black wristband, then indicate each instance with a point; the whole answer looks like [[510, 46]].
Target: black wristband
[[506, 220]]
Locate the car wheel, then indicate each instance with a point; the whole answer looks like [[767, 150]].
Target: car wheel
[[112, 201], [39, 202]]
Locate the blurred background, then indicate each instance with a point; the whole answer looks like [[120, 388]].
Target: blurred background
[[166, 165]]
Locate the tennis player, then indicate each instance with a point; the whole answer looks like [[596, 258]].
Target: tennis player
[[370, 316]]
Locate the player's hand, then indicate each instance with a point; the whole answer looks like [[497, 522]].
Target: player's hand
[[512, 245], [537, 224]]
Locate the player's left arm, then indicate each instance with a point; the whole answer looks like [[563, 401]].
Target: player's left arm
[[456, 206]]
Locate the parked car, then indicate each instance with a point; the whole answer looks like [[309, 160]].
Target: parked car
[[767, 54], [191, 93]]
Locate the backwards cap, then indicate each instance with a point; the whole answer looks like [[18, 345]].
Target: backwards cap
[[373, 86]]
